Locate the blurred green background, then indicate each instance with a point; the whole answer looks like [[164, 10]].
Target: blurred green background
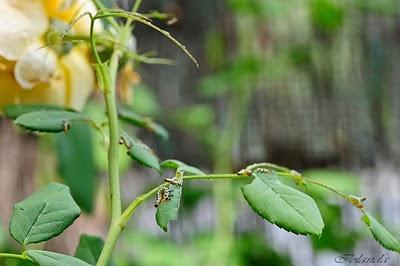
[[313, 85]]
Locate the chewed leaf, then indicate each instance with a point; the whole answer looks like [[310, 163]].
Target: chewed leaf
[[15, 110], [381, 234], [46, 258], [49, 121], [43, 215], [283, 205], [140, 152], [181, 166], [169, 207], [143, 122]]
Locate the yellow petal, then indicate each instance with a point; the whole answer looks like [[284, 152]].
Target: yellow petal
[[21, 21], [80, 77], [83, 25], [53, 92], [61, 9], [6, 65], [68, 10], [9, 89], [54, 7], [36, 65]]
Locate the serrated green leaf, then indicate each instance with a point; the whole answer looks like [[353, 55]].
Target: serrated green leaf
[[76, 165], [47, 258], [89, 248], [381, 234], [15, 110], [141, 153], [168, 210], [49, 121], [43, 215], [283, 205], [135, 119], [181, 166]]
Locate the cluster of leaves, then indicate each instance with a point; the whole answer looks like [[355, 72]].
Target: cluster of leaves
[[74, 148], [49, 211]]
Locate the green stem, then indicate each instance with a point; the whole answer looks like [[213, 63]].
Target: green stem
[[214, 176], [136, 203], [286, 172], [136, 5], [113, 152], [100, 6], [269, 166], [326, 187], [312, 181], [15, 256], [110, 77], [109, 245]]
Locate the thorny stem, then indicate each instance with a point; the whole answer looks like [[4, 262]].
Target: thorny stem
[[109, 77]]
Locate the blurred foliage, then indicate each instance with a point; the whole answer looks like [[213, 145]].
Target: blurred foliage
[[252, 250], [145, 101], [341, 180], [335, 236], [327, 15], [148, 250], [235, 75]]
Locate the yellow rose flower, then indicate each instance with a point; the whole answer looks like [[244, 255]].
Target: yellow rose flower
[[30, 71]]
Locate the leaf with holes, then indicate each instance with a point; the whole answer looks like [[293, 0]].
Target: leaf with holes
[[178, 165], [89, 248], [43, 215], [16, 110], [140, 152], [46, 258], [168, 209], [283, 205], [143, 122], [49, 121], [381, 234]]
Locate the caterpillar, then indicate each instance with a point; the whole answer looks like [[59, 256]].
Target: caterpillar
[[245, 172], [163, 194], [66, 126], [263, 170], [177, 180], [174, 181]]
